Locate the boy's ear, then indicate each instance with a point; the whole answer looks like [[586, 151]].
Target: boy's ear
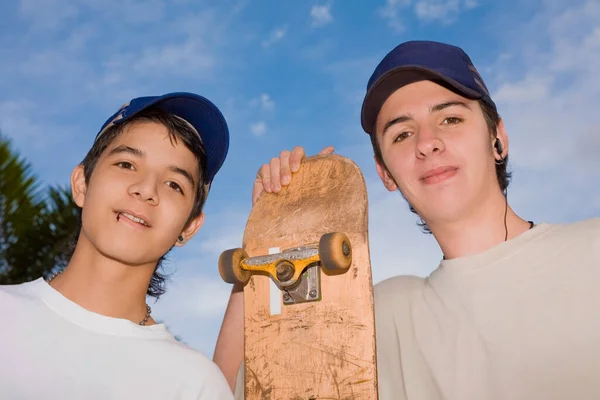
[[191, 229], [78, 185], [385, 176]]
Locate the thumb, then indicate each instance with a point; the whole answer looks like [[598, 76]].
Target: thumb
[[327, 150]]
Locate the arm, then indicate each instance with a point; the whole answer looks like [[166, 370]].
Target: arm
[[229, 351]]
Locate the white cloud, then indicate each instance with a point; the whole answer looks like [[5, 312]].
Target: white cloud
[[264, 101], [187, 58], [437, 9], [391, 13], [470, 4], [321, 15], [275, 36], [531, 89], [54, 14], [37, 137], [89, 63], [21, 120], [444, 11], [548, 109], [258, 128], [48, 14], [14, 122]]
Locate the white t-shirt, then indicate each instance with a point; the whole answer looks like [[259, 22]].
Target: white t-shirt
[[520, 321], [51, 348]]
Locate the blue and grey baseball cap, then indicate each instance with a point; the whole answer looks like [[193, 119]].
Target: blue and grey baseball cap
[[415, 61], [199, 112]]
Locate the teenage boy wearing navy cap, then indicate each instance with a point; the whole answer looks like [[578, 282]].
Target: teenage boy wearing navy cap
[[87, 332], [510, 311]]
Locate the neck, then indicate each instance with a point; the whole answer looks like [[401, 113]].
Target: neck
[[103, 285], [481, 230]]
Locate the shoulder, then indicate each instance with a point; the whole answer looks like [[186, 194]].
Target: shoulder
[[193, 369], [584, 231], [398, 287], [393, 296], [21, 292], [590, 226]]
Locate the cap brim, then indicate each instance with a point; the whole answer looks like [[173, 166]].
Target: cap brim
[[397, 78]]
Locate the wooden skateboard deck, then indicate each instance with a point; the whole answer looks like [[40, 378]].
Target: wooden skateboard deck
[[323, 349]]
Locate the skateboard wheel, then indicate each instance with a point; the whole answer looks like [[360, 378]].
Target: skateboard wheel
[[230, 266], [335, 251]]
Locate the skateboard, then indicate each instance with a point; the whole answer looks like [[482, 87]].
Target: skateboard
[[309, 245]]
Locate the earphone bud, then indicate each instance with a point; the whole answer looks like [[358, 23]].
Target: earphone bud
[[498, 147], [180, 239]]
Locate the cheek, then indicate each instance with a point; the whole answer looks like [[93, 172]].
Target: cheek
[[174, 211], [100, 191], [398, 157], [402, 168], [478, 159]]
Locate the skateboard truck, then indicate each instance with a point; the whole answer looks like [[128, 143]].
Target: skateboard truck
[[295, 271]]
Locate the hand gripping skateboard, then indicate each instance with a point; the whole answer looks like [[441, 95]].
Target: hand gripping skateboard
[[311, 241]]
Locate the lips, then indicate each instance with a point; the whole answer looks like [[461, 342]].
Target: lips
[[439, 174], [137, 218]]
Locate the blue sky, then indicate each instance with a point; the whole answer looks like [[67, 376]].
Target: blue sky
[[294, 73]]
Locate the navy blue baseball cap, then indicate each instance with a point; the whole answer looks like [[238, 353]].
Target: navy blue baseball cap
[[415, 61], [199, 112]]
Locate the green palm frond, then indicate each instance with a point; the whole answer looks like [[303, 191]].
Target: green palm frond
[[36, 225]]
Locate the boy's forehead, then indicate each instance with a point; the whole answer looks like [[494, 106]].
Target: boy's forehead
[[423, 94], [142, 134]]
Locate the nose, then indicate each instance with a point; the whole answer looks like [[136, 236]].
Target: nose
[[428, 142], [145, 189]]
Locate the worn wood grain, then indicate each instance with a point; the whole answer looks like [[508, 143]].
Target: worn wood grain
[[316, 350]]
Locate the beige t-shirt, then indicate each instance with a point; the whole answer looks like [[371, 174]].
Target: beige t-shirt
[[519, 321]]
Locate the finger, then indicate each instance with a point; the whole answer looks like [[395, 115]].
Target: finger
[[286, 173], [275, 174], [263, 178], [296, 158], [327, 150], [257, 190]]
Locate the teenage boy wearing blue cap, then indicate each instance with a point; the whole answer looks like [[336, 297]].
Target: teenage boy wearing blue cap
[[87, 332], [510, 311]]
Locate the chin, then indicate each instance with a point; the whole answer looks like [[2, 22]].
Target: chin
[[441, 210], [125, 257], [129, 252]]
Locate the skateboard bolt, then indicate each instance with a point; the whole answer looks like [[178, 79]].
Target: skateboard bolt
[[284, 271], [312, 293], [345, 249]]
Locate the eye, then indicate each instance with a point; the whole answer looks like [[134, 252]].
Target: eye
[[452, 121], [175, 186], [402, 136], [125, 165]]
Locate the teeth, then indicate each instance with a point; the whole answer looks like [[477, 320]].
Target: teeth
[[135, 219]]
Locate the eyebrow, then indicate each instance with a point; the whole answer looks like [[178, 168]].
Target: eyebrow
[[438, 107], [139, 153], [397, 120], [126, 149], [184, 173]]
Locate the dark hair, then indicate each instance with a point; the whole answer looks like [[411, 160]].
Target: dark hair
[[492, 118], [178, 130]]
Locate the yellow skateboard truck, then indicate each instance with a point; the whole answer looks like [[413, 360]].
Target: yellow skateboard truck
[[295, 271]]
